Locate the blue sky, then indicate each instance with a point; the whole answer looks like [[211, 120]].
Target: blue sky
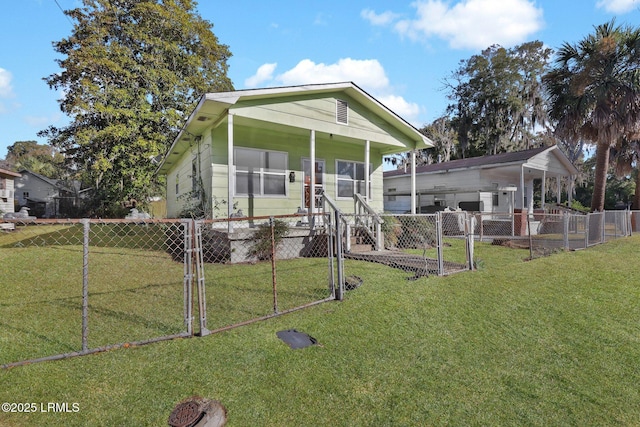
[[399, 51]]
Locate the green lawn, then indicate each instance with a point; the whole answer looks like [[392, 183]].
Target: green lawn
[[553, 341]]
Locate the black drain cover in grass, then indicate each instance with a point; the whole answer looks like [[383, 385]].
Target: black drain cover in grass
[[296, 339]]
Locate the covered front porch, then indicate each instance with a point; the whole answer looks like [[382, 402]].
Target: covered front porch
[[507, 183]]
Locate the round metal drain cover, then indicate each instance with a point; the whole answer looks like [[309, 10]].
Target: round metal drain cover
[[186, 414]]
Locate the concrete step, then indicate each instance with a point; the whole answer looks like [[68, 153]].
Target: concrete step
[[358, 248]]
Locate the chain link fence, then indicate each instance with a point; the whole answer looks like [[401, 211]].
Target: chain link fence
[[421, 244], [73, 287], [256, 268], [544, 233]]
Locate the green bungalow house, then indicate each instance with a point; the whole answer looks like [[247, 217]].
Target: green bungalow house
[[250, 152]]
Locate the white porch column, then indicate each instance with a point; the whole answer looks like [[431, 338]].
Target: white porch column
[[413, 181], [230, 167], [367, 147], [543, 189], [530, 196], [312, 175], [559, 189]]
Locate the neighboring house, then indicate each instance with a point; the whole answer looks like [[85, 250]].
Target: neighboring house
[[502, 183], [46, 197], [7, 192], [252, 150]]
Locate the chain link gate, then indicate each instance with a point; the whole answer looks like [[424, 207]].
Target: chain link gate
[[76, 287], [421, 244], [257, 268]]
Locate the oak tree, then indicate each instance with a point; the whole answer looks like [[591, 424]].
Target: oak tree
[[132, 71]]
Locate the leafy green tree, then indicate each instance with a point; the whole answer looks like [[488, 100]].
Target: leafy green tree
[[594, 94], [42, 159], [626, 156], [498, 100], [132, 71]]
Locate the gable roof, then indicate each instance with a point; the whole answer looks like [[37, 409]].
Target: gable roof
[[213, 107], [516, 157], [50, 181], [60, 184], [8, 173]]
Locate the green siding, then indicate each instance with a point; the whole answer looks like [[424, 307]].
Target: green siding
[[297, 147], [320, 114], [284, 125]]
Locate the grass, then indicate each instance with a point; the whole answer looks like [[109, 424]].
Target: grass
[[553, 341]]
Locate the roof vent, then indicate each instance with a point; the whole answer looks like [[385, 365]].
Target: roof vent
[[342, 111]]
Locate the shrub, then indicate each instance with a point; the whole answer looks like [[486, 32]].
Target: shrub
[[392, 230], [261, 247]]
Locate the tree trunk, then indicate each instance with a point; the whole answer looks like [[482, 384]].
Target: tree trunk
[[600, 184]]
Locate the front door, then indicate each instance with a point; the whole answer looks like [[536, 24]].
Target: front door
[[306, 182]]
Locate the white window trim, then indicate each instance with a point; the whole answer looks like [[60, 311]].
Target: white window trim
[[262, 173], [353, 180]]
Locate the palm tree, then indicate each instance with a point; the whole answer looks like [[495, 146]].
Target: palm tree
[[594, 93]]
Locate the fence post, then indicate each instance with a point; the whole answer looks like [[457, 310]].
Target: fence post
[[330, 252], [339, 257], [565, 230], [439, 242], [530, 237], [187, 234], [586, 230], [85, 284], [273, 264], [470, 229], [603, 224], [199, 257]]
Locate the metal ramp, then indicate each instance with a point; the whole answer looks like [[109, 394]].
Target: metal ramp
[[416, 264]]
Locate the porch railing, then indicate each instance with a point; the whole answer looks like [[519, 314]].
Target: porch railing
[[368, 220]]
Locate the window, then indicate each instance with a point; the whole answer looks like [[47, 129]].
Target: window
[[496, 200], [177, 184], [351, 178], [391, 197], [261, 173]]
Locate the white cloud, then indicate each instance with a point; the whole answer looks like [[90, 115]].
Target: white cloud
[[369, 74], [407, 110], [6, 91], [264, 74], [384, 18], [467, 24], [618, 6]]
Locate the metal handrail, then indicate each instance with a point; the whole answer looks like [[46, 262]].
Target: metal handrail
[[374, 229], [360, 200]]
